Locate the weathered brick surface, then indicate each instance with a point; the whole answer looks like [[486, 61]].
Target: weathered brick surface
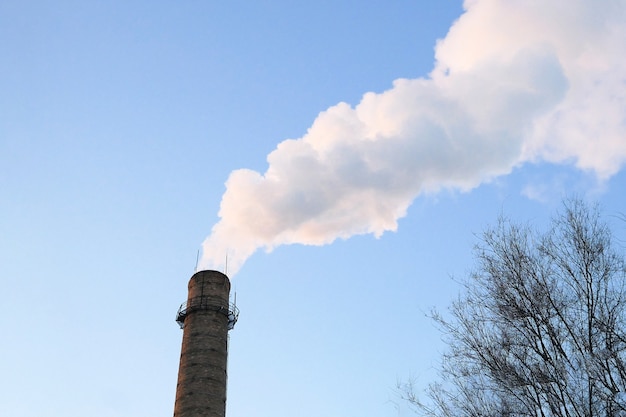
[[201, 388]]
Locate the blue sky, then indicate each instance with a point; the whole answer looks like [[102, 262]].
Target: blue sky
[[121, 122]]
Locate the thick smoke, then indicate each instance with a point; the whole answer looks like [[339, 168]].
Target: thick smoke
[[514, 81]]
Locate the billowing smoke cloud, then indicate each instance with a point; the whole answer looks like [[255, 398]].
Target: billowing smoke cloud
[[514, 81]]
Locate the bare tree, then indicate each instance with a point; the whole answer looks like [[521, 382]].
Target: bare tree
[[540, 329]]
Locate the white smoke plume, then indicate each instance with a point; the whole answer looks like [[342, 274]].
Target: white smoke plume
[[514, 81]]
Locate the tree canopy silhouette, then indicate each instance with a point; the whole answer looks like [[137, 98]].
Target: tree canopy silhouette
[[540, 329]]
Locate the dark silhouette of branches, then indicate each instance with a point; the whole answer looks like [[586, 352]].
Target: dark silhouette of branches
[[540, 329]]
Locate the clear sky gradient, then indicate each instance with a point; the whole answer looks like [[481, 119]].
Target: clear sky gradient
[[121, 123]]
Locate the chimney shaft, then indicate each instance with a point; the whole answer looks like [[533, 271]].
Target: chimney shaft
[[205, 318]]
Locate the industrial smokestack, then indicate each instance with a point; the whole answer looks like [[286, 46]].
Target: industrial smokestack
[[205, 318]]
